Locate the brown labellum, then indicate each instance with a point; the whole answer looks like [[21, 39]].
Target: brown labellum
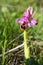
[[23, 27]]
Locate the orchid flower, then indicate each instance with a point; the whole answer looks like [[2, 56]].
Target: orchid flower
[[28, 18]]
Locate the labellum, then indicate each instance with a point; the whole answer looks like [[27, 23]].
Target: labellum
[[23, 26]]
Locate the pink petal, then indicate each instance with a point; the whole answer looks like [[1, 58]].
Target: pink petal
[[25, 19], [30, 9], [34, 22], [29, 24], [26, 14], [20, 21]]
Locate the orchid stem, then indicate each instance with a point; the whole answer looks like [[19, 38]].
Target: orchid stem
[[26, 47]]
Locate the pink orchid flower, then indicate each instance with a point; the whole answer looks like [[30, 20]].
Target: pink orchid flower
[[28, 19]]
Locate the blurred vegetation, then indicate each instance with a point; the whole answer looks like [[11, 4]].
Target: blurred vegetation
[[10, 11]]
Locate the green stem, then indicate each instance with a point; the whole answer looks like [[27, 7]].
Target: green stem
[[26, 47]]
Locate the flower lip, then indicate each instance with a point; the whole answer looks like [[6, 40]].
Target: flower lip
[[23, 27]]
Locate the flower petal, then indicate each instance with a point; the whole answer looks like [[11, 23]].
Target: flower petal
[[25, 19], [34, 22], [27, 15], [20, 21], [30, 9], [29, 24]]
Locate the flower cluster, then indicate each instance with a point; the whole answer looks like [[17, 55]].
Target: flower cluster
[[27, 19]]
